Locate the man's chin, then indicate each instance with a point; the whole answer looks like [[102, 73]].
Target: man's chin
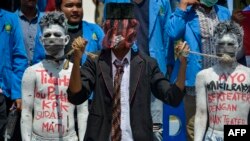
[[75, 21], [31, 4]]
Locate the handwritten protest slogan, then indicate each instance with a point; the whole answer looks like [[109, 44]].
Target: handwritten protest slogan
[[54, 102], [50, 79], [225, 95]]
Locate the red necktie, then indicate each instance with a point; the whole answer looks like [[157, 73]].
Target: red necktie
[[116, 110]]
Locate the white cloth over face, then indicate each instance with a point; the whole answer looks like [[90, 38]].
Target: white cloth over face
[[54, 40]]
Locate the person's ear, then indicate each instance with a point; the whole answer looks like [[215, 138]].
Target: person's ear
[[66, 39]]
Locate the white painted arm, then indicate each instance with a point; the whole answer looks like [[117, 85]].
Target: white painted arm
[[82, 116], [200, 122], [28, 89]]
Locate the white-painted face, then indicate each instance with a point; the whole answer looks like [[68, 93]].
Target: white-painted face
[[54, 39], [227, 45]]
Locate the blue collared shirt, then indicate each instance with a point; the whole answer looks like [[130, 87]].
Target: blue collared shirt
[[29, 29]]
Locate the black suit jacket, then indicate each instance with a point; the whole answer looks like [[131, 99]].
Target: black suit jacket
[[145, 77]]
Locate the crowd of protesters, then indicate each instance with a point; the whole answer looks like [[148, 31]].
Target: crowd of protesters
[[33, 56]]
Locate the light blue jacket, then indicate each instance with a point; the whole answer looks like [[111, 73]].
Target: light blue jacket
[[185, 24], [13, 58], [159, 12], [91, 32]]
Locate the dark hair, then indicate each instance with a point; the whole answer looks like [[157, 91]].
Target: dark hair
[[54, 17], [229, 27], [58, 4]]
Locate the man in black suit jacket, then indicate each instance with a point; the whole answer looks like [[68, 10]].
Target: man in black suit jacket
[[144, 77]]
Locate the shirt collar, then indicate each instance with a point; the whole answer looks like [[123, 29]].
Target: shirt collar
[[201, 9], [128, 56], [20, 14]]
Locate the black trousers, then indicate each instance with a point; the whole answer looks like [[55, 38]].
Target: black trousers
[[3, 116], [5, 104]]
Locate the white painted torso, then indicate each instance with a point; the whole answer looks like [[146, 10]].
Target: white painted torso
[[228, 95], [53, 115]]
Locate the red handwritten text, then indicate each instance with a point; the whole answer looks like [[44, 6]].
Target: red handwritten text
[[52, 127], [48, 115], [53, 80]]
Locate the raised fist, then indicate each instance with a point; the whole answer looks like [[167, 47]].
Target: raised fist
[[79, 45]]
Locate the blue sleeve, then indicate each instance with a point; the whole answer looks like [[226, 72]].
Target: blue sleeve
[[94, 34], [100, 36], [177, 24], [169, 57], [42, 5], [19, 59], [39, 51]]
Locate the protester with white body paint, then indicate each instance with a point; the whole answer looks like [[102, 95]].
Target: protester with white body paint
[[47, 115], [223, 90]]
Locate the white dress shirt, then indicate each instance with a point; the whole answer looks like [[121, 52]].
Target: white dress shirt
[[125, 104]]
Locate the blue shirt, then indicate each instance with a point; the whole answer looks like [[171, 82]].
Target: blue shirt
[[142, 15], [29, 29]]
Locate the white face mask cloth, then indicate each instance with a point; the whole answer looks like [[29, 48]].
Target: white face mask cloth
[[227, 46], [54, 39]]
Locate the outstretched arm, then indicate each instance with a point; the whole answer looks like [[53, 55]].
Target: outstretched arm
[[82, 116], [201, 108], [28, 89], [182, 52], [81, 83], [75, 83], [160, 86]]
